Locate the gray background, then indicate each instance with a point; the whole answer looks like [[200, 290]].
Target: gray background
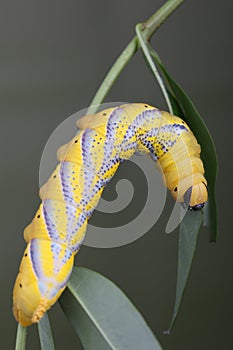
[[54, 55]]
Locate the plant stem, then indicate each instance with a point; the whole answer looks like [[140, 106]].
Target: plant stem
[[146, 51], [150, 27], [21, 338], [155, 21]]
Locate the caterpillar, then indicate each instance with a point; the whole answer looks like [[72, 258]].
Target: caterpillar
[[86, 165]]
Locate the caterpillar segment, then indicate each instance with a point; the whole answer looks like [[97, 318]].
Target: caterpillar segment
[[86, 165]]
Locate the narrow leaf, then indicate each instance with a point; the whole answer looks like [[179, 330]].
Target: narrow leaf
[[103, 316], [191, 223], [208, 153], [188, 235], [182, 106], [146, 50], [45, 334], [21, 336]]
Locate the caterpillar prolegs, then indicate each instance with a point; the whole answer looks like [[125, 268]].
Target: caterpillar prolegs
[[87, 164]]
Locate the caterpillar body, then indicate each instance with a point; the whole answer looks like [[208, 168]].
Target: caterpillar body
[[87, 164]]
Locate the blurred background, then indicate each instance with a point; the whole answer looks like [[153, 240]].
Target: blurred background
[[54, 54]]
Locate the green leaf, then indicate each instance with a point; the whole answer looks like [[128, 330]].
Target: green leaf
[[208, 154], [45, 334], [21, 336], [191, 223], [103, 316], [180, 104], [189, 229], [146, 50]]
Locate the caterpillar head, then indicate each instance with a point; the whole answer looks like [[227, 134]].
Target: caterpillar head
[[40, 282], [196, 196]]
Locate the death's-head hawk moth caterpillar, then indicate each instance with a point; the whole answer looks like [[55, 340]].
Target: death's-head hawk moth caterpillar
[[87, 163]]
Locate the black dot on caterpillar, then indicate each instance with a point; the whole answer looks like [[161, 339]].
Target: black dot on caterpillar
[[20, 285], [175, 189], [38, 216], [25, 254]]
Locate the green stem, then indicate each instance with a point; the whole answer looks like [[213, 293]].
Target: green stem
[[155, 21], [153, 67], [113, 74], [21, 338], [150, 27]]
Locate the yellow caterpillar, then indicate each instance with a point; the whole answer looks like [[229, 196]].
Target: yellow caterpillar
[[87, 163]]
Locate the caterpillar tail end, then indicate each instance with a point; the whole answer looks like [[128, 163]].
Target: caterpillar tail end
[[40, 311], [27, 320], [29, 306], [37, 288]]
